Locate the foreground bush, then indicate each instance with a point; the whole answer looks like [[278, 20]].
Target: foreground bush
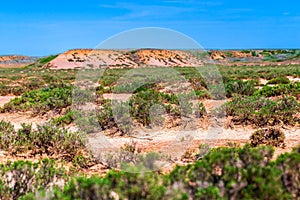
[[224, 173], [289, 164], [21, 178]]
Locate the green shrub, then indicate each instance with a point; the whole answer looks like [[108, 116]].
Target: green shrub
[[279, 80], [289, 164], [240, 87], [292, 89], [40, 101], [223, 173], [66, 119], [268, 136], [115, 185], [47, 139], [260, 111], [141, 102], [231, 173]]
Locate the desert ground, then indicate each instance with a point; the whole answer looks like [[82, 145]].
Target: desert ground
[[91, 111]]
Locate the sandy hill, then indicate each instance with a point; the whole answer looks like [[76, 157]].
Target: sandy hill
[[16, 61], [84, 58]]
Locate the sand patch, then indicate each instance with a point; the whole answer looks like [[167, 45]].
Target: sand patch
[[5, 99]]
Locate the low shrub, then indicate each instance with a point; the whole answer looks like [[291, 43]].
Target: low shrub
[[279, 80], [268, 136], [292, 89], [240, 87], [66, 119], [115, 185]]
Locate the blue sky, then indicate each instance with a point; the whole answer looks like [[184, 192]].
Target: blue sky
[[39, 28]]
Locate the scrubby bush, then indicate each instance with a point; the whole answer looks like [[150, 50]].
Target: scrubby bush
[[66, 119], [279, 80], [40, 101], [231, 173], [268, 136], [240, 87], [47, 139], [292, 89], [260, 111], [115, 185]]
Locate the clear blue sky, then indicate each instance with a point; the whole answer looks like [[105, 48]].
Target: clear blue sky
[[35, 27]]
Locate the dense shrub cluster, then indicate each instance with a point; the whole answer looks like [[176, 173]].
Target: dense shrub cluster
[[40, 101], [261, 111], [147, 107]]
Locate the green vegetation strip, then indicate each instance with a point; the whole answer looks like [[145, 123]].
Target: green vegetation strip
[[223, 173]]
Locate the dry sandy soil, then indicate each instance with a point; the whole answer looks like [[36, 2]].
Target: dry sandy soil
[[18, 118], [5, 99]]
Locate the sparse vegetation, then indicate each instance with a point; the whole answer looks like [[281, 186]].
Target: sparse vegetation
[[234, 172]]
